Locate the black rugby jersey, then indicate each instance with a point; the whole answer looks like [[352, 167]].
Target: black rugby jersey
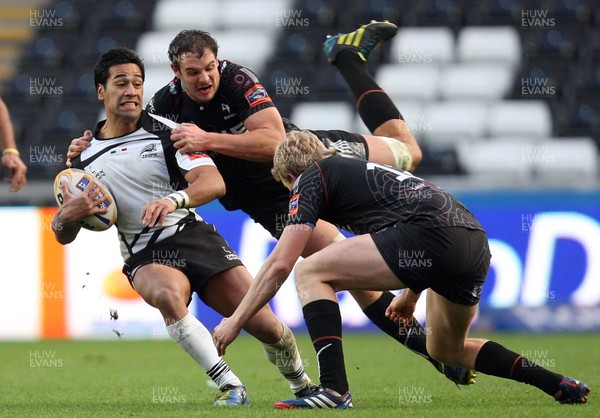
[[249, 184], [364, 197]]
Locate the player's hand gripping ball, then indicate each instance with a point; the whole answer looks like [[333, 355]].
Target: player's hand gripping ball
[[77, 180]]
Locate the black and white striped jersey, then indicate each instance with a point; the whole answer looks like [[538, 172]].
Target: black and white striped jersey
[[137, 168]]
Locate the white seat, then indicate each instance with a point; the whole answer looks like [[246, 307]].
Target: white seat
[[565, 157], [423, 46], [488, 81], [255, 14], [187, 14], [494, 158], [452, 122], [410, 81], [530, 118], [491, 44], [152, 47], [156, 79], [247, 47], [323, 115]]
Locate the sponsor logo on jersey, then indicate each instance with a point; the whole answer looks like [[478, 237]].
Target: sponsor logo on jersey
[[256, 95], [197, 154], [225, 108], [293, 208], [148, 151], [229, 255]]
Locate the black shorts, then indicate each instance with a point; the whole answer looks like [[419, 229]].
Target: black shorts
[[347, 144], [452, 261], [197, 250]]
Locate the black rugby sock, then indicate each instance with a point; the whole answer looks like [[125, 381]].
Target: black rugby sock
[[412, 335], [373, 104], [324, 324], [496, 360]]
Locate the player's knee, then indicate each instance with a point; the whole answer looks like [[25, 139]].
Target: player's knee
[[402, 155], [165, 298], [304, 277]]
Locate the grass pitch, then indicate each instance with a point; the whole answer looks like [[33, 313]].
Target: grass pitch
[[156, 378]]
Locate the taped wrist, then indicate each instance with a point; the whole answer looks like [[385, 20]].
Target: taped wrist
[[179, 198]]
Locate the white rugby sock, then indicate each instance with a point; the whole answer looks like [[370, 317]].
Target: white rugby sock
[[191, 335], [285, 355]]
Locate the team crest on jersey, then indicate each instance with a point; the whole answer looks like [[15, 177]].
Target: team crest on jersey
[[256, 95], [293, 208], [148, 151]]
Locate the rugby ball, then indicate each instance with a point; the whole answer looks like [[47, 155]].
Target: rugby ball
[[77, 180]]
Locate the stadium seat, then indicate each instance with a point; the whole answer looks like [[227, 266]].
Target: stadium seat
[[521, 118], [495, 158], [456, 121], [186, 14], [359, 12], [485, 81], [152, 47], [409, 81], [156, 78], [565, 157], [256, 14], [248, 47], [489, 44], [423, 46], [323, 115]]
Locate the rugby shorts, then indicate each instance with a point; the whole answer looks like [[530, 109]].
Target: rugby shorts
[[197, 250], [452, 261]]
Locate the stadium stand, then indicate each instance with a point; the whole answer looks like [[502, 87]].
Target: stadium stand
[[52, 96], [470, 77]]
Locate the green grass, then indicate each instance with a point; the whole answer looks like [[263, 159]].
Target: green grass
[[127, 378]]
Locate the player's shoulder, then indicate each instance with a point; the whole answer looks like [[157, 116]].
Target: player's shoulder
[[237, 77], [166, 98], [333, 162]]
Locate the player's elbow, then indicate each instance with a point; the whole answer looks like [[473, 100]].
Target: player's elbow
[[219, 188], [62, 238]]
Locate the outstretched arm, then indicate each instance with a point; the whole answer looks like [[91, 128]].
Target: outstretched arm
[[271, 276], [265, 131]]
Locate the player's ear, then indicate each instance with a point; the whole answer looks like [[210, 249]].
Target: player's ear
[[100, 91], [175, 70], [289, 181]]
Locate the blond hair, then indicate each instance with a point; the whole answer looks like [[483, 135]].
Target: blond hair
[[296, 153]]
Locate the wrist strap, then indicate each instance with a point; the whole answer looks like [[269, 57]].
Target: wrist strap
[[11, 151], [180, 199]]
